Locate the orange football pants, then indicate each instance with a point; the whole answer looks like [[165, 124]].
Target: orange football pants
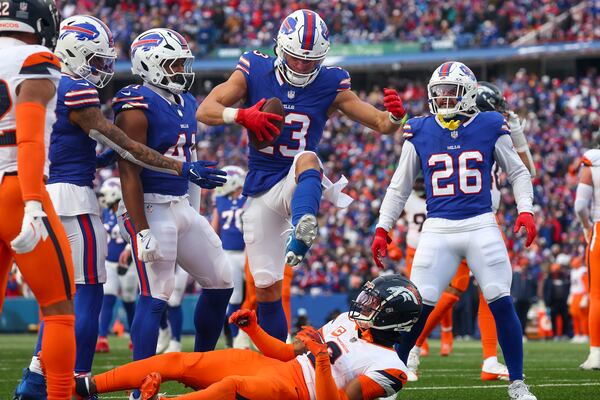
[[593, 262], [48, 268], [218, 375], [579, 315]]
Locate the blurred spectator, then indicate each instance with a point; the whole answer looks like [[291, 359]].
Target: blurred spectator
[[523, 290], [556, 292]]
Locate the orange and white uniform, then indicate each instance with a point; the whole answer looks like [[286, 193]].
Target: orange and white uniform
[[415, 213], [578, 307]]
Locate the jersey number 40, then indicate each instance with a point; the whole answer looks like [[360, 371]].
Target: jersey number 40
[[469, 179]]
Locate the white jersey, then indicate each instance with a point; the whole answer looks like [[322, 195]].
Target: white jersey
[[416, 213], [352, 357], [591, 158], [19, 62], [577, 280]]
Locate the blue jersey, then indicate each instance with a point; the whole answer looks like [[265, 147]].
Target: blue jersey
[[72, 152], [230, 221], [306, 113], [171, 131], [457, 164], [116, 244]]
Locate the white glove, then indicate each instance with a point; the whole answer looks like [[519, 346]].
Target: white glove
[[32, 228], [516, 132], [148, 250]]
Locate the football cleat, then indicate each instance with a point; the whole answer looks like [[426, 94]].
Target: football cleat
[[174, 347], [150, 387], [300, 239], [494, 371], [445, 349], [102, 345], [592, 362], [414, 359], [82, 387], [31, 387], [164, 337], [518, 390]]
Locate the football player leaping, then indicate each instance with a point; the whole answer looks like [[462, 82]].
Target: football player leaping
[[454, 149], [286, 179]]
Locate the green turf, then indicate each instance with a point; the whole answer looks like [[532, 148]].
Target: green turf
[[551, 369]]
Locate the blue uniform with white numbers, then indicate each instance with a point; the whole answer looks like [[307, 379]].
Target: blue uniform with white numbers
[[116, 243], [72, 152], [230, 221], [457, 164], [171, 131], [306, 114]]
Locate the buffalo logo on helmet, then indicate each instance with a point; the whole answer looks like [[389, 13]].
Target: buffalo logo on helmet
[[288, 26], [467, 72], [147, 42], [82, 31], [324, 30]]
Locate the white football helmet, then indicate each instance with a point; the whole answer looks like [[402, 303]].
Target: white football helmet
[[235, 180], [86, 48], [110, 192], [155, 55], [304, 35], [452, 90]]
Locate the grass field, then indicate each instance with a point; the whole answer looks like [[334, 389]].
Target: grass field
[[551, 369]]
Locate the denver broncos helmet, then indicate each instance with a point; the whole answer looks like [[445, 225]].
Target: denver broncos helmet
[[490, 98], [31, 16], [386, 306]]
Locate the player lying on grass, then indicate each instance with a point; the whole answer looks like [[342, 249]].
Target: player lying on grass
[[351, 357]]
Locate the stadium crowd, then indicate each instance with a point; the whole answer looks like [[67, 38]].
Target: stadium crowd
[[245, 23]]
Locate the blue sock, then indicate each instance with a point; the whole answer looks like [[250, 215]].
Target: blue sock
[[509, 335], [307, 196], [209, 317], [271, 318], [233, 328], [176, 322], [130, 311], [144, 330], [88, 302], [106, 315], [164, 319], [38, 345], [410, 338]]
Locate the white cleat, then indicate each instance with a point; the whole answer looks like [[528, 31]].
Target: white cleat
[[164, 337], [300, 239], [411, 376], [494, 371], [241, 341], [592, 362], [174, 347], [414, 359], [518, 390]]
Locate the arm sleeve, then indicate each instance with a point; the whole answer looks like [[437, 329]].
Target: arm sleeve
[[582, 201], [270, 346], [518, 175], [31, 157], [325, 386], [400, 187]]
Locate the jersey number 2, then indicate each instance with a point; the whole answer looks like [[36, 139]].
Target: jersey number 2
[[469, 179]]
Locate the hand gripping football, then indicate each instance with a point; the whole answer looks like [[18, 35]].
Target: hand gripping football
[[273, 106]]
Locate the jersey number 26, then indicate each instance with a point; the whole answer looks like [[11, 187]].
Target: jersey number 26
[[469, 179]]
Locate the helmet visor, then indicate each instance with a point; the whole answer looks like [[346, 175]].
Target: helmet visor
[[101, 69], [365, 307], [179, 71]]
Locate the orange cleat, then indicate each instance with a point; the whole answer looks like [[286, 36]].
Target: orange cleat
[[150, 387], [445, 349], [102, 345]]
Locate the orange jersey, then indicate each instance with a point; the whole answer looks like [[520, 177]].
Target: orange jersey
[[19, 62], [353, 357]]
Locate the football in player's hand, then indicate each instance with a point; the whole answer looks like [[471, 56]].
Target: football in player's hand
[[273, 106]]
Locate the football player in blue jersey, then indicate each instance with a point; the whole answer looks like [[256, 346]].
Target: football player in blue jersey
[[163, 225], [227, 222], [86, 50], [286, 179], [454, 149], [121, 281]]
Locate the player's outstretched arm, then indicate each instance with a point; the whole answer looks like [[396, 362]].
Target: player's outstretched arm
[[385, 122], [30, 114], [91, 120], [228, 93]]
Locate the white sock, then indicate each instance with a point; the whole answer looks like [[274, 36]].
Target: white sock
[[490, 360], [594, 351], [35, 366]]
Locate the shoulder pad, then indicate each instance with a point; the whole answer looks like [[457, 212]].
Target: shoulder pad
[[341, 77], [591, 158], [40, 62], [129, 98], [250, 59]]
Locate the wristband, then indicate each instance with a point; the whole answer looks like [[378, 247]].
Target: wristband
[[229, 115]]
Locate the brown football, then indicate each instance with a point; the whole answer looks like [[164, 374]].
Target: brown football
[[273, 106]]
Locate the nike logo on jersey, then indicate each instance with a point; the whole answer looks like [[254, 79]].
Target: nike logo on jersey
[[126, 93], [83, 83]]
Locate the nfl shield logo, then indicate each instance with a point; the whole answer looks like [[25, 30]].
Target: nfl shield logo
[[23, 6], [291, 94], [454, 134]]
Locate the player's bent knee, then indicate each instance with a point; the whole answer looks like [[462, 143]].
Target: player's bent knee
[[63, 307], [270, 293], [264, 279], [429, 294], [493, 292], [307, 160]]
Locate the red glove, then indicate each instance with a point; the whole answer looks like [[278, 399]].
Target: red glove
[[525, 219], [379, 246], [393, 103], [313, 340], [258, 122], [245, 319]]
